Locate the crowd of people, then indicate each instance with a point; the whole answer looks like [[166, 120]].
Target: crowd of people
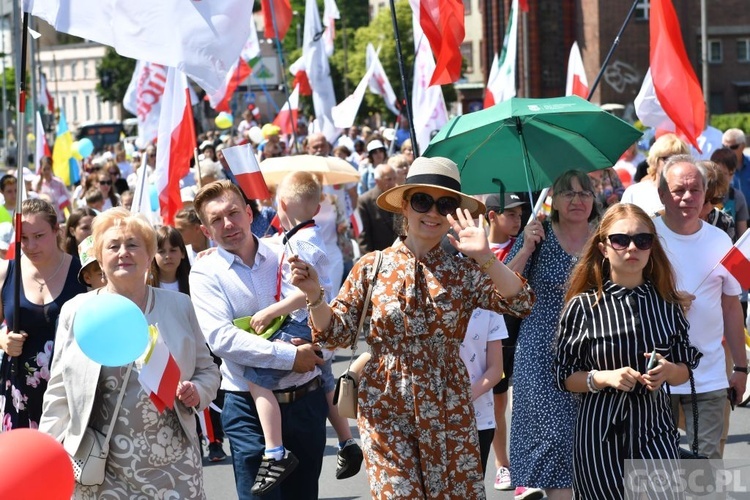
[[596, 313]]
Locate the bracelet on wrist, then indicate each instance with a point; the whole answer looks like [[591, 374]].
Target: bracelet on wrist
[[318, 301], [590, 382], [741, 369], [490, 260]]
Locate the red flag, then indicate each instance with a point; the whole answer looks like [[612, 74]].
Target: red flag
[[241, 161], [176, 142], [281, 10], [737, 261], [160, 375], [238, 74], [674, 80], [356, 221], [45, 98], [443, 24], [524, 5], [577, 83], [286, 120]]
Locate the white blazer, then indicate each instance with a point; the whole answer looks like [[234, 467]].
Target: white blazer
[[69, 400]]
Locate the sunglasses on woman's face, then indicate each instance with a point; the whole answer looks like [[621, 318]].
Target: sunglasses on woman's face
[[643, 241], [105, 183], [423, 202]]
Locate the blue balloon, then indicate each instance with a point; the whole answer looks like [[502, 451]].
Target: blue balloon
[[85, 147], [154, 194], [111, 330]]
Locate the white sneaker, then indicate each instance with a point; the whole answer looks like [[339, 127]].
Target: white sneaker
[[523, 493], [502, 479]]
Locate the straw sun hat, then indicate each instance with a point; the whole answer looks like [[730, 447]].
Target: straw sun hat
[[435, 172]]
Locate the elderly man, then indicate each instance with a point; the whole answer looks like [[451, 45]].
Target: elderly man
[[734, 139], [377, 232], [238, 280], [694, 248]]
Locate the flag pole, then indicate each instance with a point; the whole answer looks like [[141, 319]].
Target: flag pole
[[615, 43], [284, 86], [402, 71]]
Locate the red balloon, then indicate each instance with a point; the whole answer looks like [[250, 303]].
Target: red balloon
[[34, 465]]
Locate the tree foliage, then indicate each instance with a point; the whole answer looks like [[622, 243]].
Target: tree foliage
[[115, 73]]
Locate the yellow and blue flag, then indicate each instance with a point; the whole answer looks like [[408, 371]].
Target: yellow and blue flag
[[64, 165]]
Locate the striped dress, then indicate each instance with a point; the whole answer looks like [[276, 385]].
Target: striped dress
[[613, 426]]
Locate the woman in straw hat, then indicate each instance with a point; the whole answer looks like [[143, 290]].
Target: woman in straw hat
[[415, 415]]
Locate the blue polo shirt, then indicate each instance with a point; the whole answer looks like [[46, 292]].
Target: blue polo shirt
[[741, 178]]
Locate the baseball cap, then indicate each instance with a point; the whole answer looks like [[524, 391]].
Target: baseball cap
[[509, 200], [86, 256]]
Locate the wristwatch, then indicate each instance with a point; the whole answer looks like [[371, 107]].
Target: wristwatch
[[742, 369]]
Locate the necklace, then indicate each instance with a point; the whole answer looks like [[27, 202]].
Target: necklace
[[43, 283]]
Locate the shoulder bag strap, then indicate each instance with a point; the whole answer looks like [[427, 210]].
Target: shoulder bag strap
[[366, 305], [694, 403], [105, 444]]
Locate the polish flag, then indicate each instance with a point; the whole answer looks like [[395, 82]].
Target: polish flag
[[45, 98], [286, 120], [356, 221], [442, 22], [207, 427], [297, 68], [577, 83], [238, 74], [330, 14], [671, 97], [160, 375], [176, 142], [279, 11], [242, 162], [501, 84], [737, 260], [379, 83], [42, 148], [143, 98]]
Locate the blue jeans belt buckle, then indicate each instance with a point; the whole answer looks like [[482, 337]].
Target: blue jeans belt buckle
[[294, 393]]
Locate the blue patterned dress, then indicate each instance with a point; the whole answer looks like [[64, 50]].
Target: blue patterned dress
[[543, 419]]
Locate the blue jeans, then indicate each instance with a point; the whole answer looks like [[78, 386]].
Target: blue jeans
[[303, 432]]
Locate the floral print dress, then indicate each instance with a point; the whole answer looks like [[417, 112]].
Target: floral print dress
[[23, 380], [415, 414]]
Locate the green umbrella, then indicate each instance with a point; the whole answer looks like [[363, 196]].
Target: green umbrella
[[525, 144]]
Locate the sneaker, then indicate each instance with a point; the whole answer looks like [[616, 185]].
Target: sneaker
[[523, 493], [502, 479], [348, 460], [273, 472], [216, 452]]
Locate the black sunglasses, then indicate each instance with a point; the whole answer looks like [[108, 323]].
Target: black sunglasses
[[105, 183], [733, 146], [423, 202], [643, 241]]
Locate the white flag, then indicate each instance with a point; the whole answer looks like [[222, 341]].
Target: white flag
[[379, 83], [201, 38], [428, 105], [330, 14], [501, 84], [648, 108], [143, 98], [345, 112], [318, 71], [576, 83], [251, 50]]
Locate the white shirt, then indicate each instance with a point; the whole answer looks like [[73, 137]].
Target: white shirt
[[645, 195]]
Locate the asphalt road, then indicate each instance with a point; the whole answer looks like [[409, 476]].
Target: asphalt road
[[219, 480]]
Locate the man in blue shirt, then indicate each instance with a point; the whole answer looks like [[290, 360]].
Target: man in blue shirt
[[734, 139]]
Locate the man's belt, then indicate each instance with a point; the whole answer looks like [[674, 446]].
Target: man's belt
[[295, 393]]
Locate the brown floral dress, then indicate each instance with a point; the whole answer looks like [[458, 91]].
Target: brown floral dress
[[415, 415]]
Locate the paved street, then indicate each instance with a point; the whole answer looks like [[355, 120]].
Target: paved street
[[219, 481]]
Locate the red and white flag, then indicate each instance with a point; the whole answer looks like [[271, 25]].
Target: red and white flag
[[220, 100], [176, 142], [244, 166], [143, 98], [286, 120], [576, 83], [207, 427], [330, 14], [428, 103], [160, 375], [501, 83], [41, 146], [671, 97], [277, 17], [379, 83], [297, 68], [44, 98], [318, 71], [442, 22], [356, 221], [202, 39], [737, 260]]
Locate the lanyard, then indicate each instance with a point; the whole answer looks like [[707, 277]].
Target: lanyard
[[288, 236]]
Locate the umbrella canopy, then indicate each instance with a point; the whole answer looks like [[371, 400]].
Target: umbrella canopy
[[333, 170], [525, 144]]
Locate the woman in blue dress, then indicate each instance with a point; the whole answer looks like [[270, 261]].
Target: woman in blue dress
[[48, 280], [543, 418]]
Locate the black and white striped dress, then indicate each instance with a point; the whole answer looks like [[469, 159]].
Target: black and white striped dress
[[614, 425]]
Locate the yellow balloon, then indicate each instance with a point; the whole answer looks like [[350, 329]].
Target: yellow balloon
[[223, 120]]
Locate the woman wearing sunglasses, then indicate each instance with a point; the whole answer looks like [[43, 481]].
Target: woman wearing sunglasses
[[104, 183], [415, 414], [621, 307]]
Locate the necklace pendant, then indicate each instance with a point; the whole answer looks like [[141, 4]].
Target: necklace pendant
[[41, 287]]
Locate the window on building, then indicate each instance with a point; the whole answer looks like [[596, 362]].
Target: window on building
[[73, 68], [98, 109], [743, 50], [74, 104], [87, 106], [64, 105], [714, 51], [467, 51], [642, 10], [467, 7], [85, 69]]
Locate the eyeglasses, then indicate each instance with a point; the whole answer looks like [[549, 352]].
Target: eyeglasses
[[643, 241], [105, 183], [423, 202], [733, 147], [716, 200], [582, 195]]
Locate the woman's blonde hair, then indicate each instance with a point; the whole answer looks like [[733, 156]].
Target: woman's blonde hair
[[132, 223], [664, 147], [591, 270]]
